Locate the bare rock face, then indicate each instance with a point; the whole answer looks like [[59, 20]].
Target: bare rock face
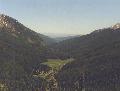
[[13, 27], [7, 22], [116, 26]]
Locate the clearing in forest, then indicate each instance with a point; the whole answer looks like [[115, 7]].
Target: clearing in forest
[[57, 64]]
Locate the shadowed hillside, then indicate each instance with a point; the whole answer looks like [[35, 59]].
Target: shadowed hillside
[[97, 65], [21, 51]]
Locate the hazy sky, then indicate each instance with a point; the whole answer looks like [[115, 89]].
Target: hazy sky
[[63, 16]]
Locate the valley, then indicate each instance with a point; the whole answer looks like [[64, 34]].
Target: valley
[[50, 75], [30, 61]]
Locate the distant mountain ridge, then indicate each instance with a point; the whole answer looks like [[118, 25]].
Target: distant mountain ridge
[[59, 39], [47, 40]]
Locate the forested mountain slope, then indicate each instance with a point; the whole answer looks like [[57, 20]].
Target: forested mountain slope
[[97, 65], [21, 51], [23, 55]]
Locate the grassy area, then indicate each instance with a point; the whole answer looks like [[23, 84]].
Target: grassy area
[[49, 77], [57, 64], [3, 87]]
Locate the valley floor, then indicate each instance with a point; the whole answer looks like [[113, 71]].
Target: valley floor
[[49, 76]]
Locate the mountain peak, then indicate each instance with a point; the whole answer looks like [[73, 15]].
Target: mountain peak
[[116, 26], [7, 22]]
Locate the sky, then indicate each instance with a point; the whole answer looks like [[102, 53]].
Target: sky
[[63, 16]]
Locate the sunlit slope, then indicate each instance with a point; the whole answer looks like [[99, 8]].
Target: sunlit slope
[[57, 64]]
